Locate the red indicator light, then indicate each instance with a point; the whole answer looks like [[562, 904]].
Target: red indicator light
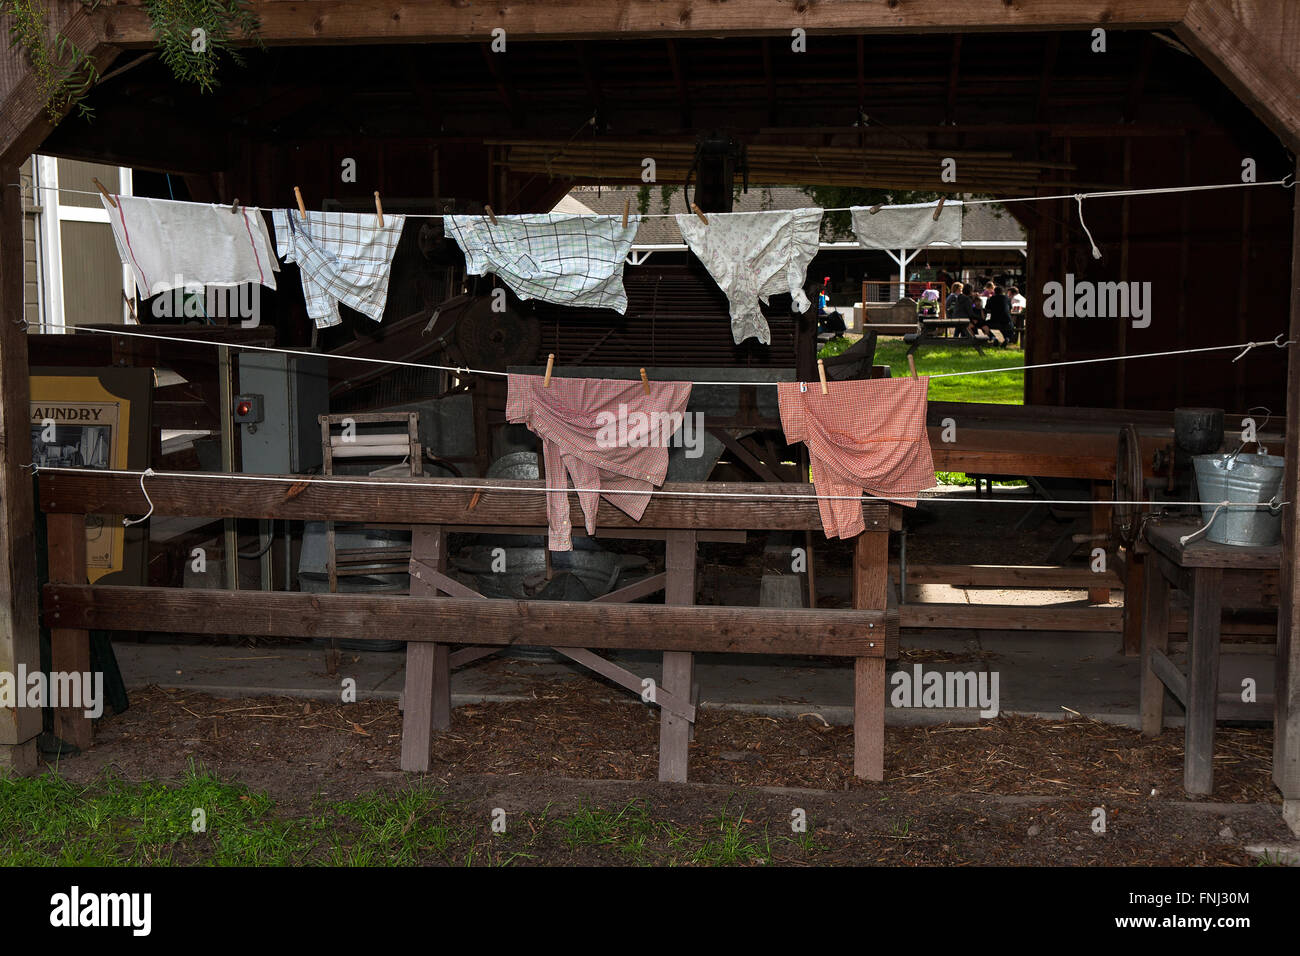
[[243, 408]]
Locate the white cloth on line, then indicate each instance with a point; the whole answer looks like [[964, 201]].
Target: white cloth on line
[[755, 255], [342, 257], [907, 227], [568, 260], [170, 245]]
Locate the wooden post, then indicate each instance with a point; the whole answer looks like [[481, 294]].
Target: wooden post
[[426, 697], [1202, 678], [1286, 718], [1155, 637], [679, 666], [69, 647], [1135, 568], [870, 591], [1101, 491], [19, 644]]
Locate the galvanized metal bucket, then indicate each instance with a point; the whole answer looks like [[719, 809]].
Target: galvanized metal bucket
[[1241, 480]]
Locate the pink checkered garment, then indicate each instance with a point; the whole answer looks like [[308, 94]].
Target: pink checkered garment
[[865, 435], [576, 441]]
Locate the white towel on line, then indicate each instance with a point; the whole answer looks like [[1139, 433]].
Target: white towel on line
[[170, 245], [907, 227]]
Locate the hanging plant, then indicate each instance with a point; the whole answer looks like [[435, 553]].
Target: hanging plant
[[64, 74], [192, 34]]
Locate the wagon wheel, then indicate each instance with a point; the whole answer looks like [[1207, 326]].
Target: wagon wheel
[[1126, 518]]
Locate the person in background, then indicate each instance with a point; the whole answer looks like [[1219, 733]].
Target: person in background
[[997, 314], [950, 304], [1018, 302], [986, 293]]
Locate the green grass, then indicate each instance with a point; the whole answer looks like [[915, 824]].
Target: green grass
[[993, 388], [48, 821]]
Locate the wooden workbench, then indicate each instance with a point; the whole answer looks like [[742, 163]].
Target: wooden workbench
[[1201, 569]]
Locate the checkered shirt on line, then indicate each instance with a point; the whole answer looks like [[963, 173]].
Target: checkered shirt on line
[[863, 435], [343, 257], [568, 260], [569, 417]]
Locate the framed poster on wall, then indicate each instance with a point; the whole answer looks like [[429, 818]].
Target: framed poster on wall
[[96, 418]]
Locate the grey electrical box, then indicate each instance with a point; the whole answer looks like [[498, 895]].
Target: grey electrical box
[[249, 409], [293, 390]]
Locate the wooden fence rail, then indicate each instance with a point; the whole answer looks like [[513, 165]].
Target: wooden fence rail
[[442, 612]]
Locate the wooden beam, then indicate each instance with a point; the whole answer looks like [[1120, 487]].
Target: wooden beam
[[1170, 676], [18, 625], [1286, 717], [427, 501], [1010, 576], [1251, 45], [396, 21], [996, 617], [489, 622]]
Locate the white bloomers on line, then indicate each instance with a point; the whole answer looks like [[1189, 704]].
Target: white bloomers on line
[[755, 255], [907, 227]]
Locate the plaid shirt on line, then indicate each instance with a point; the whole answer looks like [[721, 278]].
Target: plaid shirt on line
[[863, 435], [568, 260], [343, 257]]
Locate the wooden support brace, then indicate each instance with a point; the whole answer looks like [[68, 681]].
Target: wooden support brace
[[668, 702]]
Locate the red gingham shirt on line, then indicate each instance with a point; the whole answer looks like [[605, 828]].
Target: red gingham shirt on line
[[865, 435], [600, 451]]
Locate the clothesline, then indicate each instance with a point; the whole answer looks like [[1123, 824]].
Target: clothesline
[[465, 370], [1287, 182], [653, 492]]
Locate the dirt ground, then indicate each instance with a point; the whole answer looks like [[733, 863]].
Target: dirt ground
[[1011, 791]]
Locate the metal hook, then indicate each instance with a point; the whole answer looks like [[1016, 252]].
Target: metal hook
[[1288, 181]]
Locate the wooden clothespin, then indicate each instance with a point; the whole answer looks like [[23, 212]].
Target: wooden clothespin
[[645, 382], [379, 209], [821, 373], [627, 208], [492, 217], [911, 364], [696, 209], [130, 307], [302, 207], [939, 208], [473, 502], [875, 209], [550, 364], [234, 207], [100, 186]]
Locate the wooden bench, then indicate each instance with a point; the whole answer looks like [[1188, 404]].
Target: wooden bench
[[446, 623]]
